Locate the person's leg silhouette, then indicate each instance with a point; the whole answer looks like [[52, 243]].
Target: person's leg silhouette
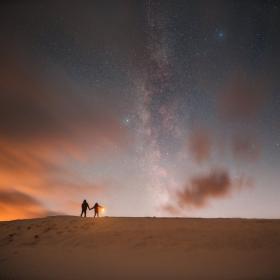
[[83, 213]]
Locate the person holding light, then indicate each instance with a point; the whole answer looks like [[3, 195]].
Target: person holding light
[[97, 208]]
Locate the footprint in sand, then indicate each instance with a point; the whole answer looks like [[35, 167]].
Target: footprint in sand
[[11, 237], [47, 229]]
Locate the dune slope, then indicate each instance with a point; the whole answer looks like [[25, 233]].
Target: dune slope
[[66, 247]]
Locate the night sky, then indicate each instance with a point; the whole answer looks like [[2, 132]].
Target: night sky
[[151, 108]]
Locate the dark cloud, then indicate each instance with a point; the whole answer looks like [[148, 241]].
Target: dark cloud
[[16, 204], [17, 198], [203, 188]]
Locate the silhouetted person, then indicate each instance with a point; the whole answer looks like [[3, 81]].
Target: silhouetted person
[[85, 206], [96, 208]]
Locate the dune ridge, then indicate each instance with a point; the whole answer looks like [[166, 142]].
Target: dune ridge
[[67, 247]]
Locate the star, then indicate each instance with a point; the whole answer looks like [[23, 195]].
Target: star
[[221, 34], [126, 121]]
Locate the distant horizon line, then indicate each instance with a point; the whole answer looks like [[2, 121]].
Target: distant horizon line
[[142, 217]]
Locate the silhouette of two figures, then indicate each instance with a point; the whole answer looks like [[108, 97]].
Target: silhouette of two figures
[[85, 207]]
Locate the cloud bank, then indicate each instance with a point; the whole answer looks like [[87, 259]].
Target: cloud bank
[[202, 188], [16, 204], [49, 131]]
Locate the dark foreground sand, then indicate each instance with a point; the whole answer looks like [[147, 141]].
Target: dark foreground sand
[[66, 247]]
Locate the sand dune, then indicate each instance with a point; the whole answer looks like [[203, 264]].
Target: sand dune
[[65, 247]]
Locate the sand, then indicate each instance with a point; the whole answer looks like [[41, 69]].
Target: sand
[[66, 247]]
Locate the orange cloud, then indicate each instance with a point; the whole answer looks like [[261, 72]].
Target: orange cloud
[[48, 133], [215, 184], [19, 205], [203, 188], [41, 176]]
